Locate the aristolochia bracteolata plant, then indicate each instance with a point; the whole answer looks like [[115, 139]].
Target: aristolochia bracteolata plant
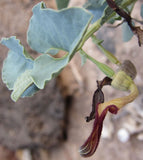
[[68, 29]]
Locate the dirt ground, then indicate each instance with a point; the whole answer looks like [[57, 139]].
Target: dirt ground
[[14, 20]]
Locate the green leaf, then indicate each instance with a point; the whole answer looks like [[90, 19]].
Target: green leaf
[[16, 62], [30, 91], [47, 68], [108, 12], [53, 51], [94, 3], [97, 12], [96, 7], [21, 84], [15, 65], [126, 32], [62, 3], [142, 10], [50, 29], [100, 9]]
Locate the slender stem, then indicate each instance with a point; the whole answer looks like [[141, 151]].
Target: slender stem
[[92, 29], [96, 25], [103, 67], [108, 54]]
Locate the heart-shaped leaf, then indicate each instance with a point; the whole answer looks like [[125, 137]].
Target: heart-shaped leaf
[[50, 29]]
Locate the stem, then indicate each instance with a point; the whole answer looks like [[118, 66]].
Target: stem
[[108, 54], [127, 3], [103, 67], [92, 29], [96, 25]]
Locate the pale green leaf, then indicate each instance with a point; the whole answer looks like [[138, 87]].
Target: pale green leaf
[[126, 32], [47, 68], [96, 7], [21, 84], [94, 3], [50, 29], [97, 12], [142, 10], [30, 91], [15, 65], [62, 3], [56, 29], [16, 62]]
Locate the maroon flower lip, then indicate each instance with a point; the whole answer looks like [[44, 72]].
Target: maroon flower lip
[[100, 108], [91, 144]]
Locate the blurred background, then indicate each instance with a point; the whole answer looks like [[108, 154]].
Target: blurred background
[[51, 124]]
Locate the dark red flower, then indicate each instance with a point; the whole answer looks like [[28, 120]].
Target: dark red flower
[[89, 147], [100, 108]]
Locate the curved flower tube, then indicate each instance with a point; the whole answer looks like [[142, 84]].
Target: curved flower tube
[[120, 102], [120, 81], [90, 146]]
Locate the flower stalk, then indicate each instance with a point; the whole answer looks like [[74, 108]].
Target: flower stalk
[[103, 67]]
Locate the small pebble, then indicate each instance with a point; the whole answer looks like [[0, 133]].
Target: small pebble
[[123, 135], [140, 137]]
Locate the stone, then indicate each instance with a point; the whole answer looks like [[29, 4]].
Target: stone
[[123, 135]]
